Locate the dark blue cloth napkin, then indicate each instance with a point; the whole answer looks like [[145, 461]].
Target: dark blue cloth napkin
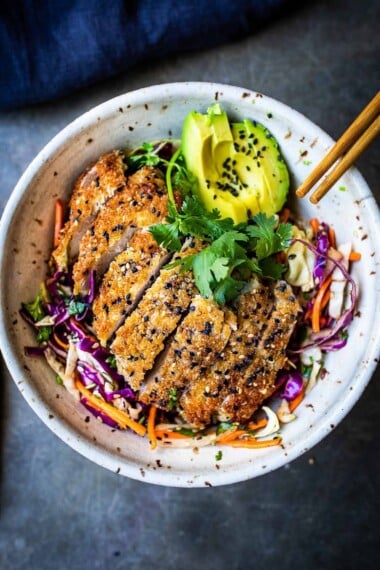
[[50, 48]]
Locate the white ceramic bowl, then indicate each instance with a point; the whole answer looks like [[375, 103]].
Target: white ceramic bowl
[[25, 241]]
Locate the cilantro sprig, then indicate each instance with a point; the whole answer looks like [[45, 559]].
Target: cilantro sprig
[[235, 251], [270, 237], [37, 311], [35, 308], [192, 219]]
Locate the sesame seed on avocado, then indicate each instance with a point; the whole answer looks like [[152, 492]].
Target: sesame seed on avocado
[[239, 167]]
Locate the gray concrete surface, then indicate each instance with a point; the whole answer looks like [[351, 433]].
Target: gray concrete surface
[[59, 511]]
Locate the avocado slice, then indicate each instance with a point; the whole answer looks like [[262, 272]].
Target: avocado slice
[[239, 167]]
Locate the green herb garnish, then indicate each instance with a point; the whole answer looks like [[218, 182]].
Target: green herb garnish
[[76, 307], [219, 455], [236, 251], [111, 361], [269, 239], [186, 431], [306, 370], [224, 426], [172, 399], [58, 379], [35, 308], [44, 334]]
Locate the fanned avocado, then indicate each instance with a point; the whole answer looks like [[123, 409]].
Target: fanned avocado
[[239, 167]]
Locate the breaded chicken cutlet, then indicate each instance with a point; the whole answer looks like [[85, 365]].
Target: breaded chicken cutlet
[[220, 362]]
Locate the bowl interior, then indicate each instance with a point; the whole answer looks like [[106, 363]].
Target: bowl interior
[[26, 238]]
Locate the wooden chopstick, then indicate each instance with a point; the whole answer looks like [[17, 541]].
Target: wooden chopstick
[[351, 144]]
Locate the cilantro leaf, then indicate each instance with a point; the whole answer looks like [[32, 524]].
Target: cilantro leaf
[[35, 308], [270, 268], [44, 334], [192, 219], [186, 263], [203, 275], [227, 290], [167, 235], [144, 156], [76, 307], [219, 455], [220, 268], [269, 239], [111, 361]]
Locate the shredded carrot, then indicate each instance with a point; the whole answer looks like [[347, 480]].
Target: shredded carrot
[[316, 314], [121, 418], [62, 344], [231, 436], [326, 299], [151, 430], [322, 321], [296, 402], [332, 238], [257, 425], [308, 314], [355, 256], [167, 434], [285, 215], [254, 443], [58, 221], [314, 224]]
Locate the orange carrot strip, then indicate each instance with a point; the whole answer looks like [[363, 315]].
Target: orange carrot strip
[[167, 434], [355, 256], [116, 415], [62, 344], [314, 224], [326, 299], [316, 314], [254, 443], [231, 436], [151, 430], [285, 215], [58, 224], [332, 238], [308, 314], [296, 402], [257, 425], [322, 321]]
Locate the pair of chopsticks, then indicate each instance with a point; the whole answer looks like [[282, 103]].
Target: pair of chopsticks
[[350, 146]]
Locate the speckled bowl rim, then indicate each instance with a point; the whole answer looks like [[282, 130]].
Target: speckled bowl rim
[[59, 426]]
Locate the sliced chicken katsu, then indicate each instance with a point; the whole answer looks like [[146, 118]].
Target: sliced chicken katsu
[[123, 285], [198, 340], [142, 202], [239, 382], [93, 188], [246, 393], [142, 336]]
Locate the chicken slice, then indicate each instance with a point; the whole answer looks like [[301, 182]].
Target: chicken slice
[[198, 340], [245, 376], [123, 285], [142, 336], [246, 393], [142, 202], [93, 188]]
